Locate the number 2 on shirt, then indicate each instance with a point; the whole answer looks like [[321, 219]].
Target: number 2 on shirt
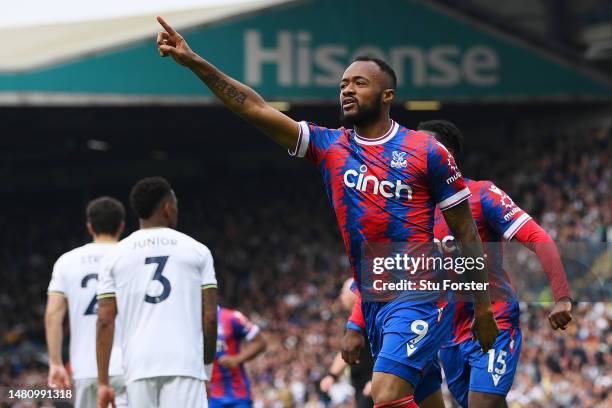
[[91, 307]]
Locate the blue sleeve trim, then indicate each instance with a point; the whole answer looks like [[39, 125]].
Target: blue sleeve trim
[[353, 326]]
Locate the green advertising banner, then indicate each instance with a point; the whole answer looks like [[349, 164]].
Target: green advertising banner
[[299, 50]]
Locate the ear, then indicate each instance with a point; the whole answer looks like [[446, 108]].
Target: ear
[[120, 229], [167, 208], [388, 96], [90, 230]]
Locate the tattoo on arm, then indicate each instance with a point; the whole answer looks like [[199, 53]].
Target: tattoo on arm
[[224, 88]]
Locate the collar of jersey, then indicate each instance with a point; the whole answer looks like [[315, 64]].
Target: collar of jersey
[[379, 140]]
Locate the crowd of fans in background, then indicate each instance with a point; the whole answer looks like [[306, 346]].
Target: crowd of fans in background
[[280, 260]]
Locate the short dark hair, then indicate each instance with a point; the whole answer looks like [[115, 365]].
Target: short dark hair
[[147, 194], [105, 214], [384, 67], [446, 132]]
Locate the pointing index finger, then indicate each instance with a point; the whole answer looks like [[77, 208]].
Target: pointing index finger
[[166, 26]]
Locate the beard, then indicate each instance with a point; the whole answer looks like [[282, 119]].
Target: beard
[[366, 113]]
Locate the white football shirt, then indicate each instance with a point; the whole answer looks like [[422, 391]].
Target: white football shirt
[[75, 276], [157, 276]]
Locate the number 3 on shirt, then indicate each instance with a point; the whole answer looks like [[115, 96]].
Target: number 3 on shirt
[[161, 264]]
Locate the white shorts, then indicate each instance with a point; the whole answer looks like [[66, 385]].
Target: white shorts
[[86, 392], [167, 392]]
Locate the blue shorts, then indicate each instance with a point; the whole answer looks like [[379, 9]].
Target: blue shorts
[[405, 338], [229, 403], [430, 382], [467, 368]]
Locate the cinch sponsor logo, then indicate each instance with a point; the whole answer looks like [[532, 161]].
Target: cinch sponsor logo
[[511, 213], [299, 62], [371, 184]]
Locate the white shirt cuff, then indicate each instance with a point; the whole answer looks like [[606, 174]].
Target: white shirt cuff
[[208, 368], [252, 333], [302, 141], [455, 199], [515, 226]]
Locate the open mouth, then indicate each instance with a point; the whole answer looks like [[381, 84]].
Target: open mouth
[[348, 104]]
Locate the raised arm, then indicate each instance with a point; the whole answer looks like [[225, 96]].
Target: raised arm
[[238, 97], [460, 220], [54, 319]]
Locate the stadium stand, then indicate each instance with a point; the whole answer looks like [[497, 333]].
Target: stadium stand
[[282, 262]]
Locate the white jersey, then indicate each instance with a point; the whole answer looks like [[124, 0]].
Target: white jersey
[[75, 276], [157, 276]]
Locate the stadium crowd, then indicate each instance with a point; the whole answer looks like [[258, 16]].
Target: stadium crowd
[[279, 259]]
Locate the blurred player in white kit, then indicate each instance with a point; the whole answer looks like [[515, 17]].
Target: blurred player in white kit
[[73, 289]]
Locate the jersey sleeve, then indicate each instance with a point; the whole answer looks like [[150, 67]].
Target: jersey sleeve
[[536, 239], [500, 211], [243, 327], [209, 278], [447, 185], [106, 281], [314, 141], [57, 285]]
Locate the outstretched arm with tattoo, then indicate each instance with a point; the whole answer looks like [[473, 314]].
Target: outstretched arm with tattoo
[[238, 97]]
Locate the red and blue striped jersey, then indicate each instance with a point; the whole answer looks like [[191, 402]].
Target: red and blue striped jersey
[[382, 190], [233, 384], [497, 218]]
